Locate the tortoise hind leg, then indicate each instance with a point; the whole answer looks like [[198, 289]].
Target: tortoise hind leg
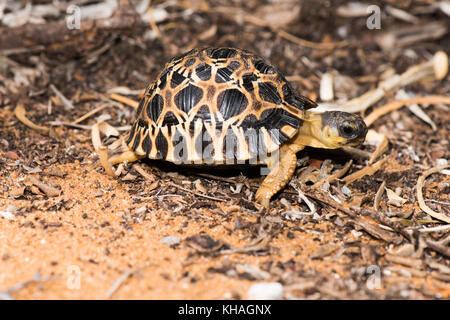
[[281, 172]]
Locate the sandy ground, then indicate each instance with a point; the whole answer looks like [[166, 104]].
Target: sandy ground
[[69, 231]]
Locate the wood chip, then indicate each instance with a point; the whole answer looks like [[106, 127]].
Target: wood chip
[[20, 113], [48, 190], [378, 195], [422, 204], [369, 170], [129, 102], [336, 175], [395, 105], [66, 102]]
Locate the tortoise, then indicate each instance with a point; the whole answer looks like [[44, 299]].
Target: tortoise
[[228, 106]]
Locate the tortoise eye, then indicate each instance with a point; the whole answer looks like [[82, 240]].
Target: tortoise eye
[[347, 130]]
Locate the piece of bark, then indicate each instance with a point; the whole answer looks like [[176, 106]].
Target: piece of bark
[[55, 33]]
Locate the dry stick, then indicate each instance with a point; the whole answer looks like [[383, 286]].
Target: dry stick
[[381, 148], [148, 177], [381, 218], [6, 295], [152, 22], [378, 195], [20, 113], [288, 36], [395, 105], [334, 176], [437, 246], [213, 177], [66, 102], [442, 228], [90, 113], [309, 44], [368, 170], [102, 153], [422, 203], [48, 190], [196, 193], [122, 279], [129, 102]]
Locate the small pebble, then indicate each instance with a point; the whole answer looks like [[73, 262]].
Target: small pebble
[[170, 240], [345, 190], [9, 213], [265, 291]]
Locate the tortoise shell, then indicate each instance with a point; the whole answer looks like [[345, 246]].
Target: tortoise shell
[[215, 106]]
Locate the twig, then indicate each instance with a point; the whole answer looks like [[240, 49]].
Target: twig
[[6, 295], [48, 190], [123, 278], [334, 176], [436, 245], [422, 203], [378, 195], [129, 102], [369, 170], [66, 102], [150, 178], [395, 105], [20, 113], [249, 18], [90, 113], [442, 228], [196, 193]]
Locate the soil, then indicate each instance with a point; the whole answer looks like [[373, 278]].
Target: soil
[[180, 234]]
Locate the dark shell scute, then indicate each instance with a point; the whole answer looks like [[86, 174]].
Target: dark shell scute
[[223, 75], [203, 71], [230, 145], [180, 146], [181, 56], [147, 145], [296, 100], [263, 67], [276, 118], [142, 123], [231, 102], [163, 80], [221, 53], [188, 98], [247, 81], [268, 92], [137, 140], [203, 113], [189, 62], [161, 145], [131, 134], [141, 106], [170, 119], [155, 107], [177, 79], [234, 65], [203, 146]]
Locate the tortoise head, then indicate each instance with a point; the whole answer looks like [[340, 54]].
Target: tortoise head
[[331, 130], [343, 128]]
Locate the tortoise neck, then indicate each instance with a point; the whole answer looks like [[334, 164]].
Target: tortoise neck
[[310, 133]]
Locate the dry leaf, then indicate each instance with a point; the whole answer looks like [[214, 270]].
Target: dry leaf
[[394, 198]]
